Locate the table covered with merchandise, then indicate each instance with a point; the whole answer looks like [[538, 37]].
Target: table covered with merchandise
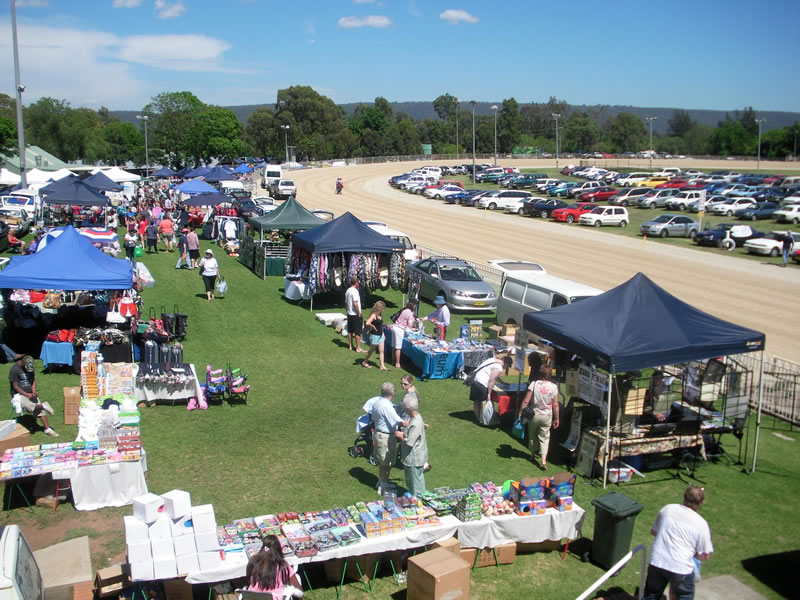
[[162, 383], [636, 444], [441, 359]]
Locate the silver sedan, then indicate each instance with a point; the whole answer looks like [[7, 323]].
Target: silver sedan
[[455, 280], [670, 226]]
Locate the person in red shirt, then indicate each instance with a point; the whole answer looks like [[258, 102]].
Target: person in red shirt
[[14, 243], [167, 230]]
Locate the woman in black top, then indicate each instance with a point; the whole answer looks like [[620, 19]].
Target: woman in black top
[[373, 334]]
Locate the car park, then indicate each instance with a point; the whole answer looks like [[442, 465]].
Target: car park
[[456, 281], [628, 196], [665, 226], [729, 206], [762, 210], [501, 199], [653, 181], [598, 194], [542, 207], [606, 215], [788, 214], [682, 200], [571, 213], [656, 198], [717, 235], [771, 244], [632, 179]]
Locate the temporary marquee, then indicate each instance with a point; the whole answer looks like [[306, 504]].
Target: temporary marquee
[[196, 186], [291, 215], [76, 193], [116, 174], [345, 234], [102, 183], [219, 174], [207, 199], [165, 172]]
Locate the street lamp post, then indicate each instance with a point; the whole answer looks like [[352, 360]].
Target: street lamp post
[[556, 116], [457, 148], [145, 118], [20, 88], [494, 108], [286, 129], [760, 122], [472, 102], [650, 154]]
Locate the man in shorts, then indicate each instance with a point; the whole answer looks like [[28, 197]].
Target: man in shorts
[[193, 243], [355, 322], [386, 422], [23, 392]]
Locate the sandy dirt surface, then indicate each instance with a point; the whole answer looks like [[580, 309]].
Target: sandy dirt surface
[[747, 292]]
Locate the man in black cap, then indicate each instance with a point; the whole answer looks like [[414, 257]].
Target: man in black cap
[[23, 392]]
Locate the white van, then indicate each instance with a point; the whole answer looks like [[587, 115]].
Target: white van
[[435, 172], [272, 174], [410, 253], [227, 186], [524, 292], [790, 181]]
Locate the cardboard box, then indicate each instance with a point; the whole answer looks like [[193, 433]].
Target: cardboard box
[[165, 568], [451, 544], [187, 564], [209, 560], [495, 331], [184, 545], [147, 507], [177, 589], [142, 571], [505, 553], [111, 581], [18, 438], [177, 503], [139, 552], [206, 541], [159, 529], [162, 549], [72, 402], [437, 574], [181, 526], [135, 530], [203, 518], [509, 329], [545, 546]]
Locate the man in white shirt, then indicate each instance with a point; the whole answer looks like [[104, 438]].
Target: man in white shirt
[[441, 316], [355, 323], [386, 422], [681, 536]]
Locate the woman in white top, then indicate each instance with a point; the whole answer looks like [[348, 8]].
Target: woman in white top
[[545, 414], [405, 321], [486, 374], [209, 269]]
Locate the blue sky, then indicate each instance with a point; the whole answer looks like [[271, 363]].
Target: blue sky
[[119, 53]]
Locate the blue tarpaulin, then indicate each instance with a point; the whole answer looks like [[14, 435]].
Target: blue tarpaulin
[[345, 234], [638, 325], [69, 262]]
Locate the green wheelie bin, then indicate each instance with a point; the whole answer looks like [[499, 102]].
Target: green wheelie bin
[[614, 517]]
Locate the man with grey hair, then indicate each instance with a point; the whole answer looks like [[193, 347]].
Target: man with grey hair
[[681, 535], [386, 421], [414, 449]]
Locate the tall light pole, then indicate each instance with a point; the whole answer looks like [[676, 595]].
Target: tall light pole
[[494, 108], [20, 88], [286, 129], [145, 118], [650, 154], [758, 164], [473, 140], [556, 116], [457, 148]]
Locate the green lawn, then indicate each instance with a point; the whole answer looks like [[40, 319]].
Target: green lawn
[[287, 449]]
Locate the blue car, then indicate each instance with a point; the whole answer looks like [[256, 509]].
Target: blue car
[[561, 190], [757, 213]]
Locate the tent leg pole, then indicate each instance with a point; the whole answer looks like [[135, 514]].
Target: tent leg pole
[[758, 418], [608, 432]]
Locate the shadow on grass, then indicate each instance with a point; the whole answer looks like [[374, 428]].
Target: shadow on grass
[[464, 415], [365, 477], [506, 451], [776, 571]]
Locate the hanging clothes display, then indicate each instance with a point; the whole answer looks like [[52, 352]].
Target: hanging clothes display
[[327, 272]]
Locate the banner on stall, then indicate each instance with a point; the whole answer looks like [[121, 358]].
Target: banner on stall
[[592, 386]]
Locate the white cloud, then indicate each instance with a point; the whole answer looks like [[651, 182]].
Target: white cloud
[[36, 3], [126, 3], [167, 10], [377, 21], [454, 16], [190, 52]]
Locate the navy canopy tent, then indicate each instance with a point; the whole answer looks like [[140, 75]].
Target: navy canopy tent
[[219, 174], [165, 172], [207, 199], [184, 171], [63, 183], [76, 193], [196, 186], [197, 172], [345, 234], [102, 183], [69, 262]]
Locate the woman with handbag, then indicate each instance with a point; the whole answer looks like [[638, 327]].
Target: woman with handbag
[[209, 270], [373, 335], [402, 321], [542, 415], [483, 379]]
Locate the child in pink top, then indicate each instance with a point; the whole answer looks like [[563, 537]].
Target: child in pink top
[[268, 571]]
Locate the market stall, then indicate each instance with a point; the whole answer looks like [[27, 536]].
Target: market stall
[[634, 326], [440, 359], [169, 385]]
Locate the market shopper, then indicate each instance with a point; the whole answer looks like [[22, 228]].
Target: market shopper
[[407, 383], [414, 446], [209, 271], [355, 322], [544, 394], [441, 316], [681, 535], [486, 375], [129, 241], [24, 397], [386, 422], [267, 571], [183, 249], [373, 334], [405, 321], [167, 230], [193, 244], [151, 235], [787, 244]]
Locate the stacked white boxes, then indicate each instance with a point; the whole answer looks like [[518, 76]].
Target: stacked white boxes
[[166, 536]]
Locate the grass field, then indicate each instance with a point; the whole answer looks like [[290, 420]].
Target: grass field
[[287, 448]]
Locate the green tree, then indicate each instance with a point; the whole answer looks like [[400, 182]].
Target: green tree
[[171, 127], [8, 107], [402, 138], [262, 132], [697, 139], [680, 123], [313, 119], [731, 138], [627, 132], [509, 126], [44, 125], [8, 136], [748, 120], [345, 143], [445, 107], [580, 132], [125, 142], [538, 117], [217, 134]]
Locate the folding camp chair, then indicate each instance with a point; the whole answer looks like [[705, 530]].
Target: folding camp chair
[[216, 384], [237, 386]]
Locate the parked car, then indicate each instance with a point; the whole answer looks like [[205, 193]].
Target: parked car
[[788, 214], [500, 198], [561, 190], [582, 188], [18, 221], [542, 207], [763, 210], [606, 215], [632, 179], [682, 200], [472, 199], [717, 235], [438, 193], [771, 244], [285, 189], [653, 181], [671, 226], [731, 205], [571, 213], [628, 196], [456, 281], [656, 198], [598, 194], [246, 208]]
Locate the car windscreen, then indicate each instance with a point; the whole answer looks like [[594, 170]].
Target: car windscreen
[[403, 240], [662, 219], [15, 201], [579, 298], [458, 273]]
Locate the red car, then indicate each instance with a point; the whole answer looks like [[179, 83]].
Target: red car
[[681, 184], [598, 194], [570, 214]]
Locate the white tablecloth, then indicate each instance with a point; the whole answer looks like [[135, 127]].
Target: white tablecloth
[[486, 533], [114, 484], [150, 392]]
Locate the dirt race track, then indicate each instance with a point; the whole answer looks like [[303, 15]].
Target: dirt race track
[[747, 292]]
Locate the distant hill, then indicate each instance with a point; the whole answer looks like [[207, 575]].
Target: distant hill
[[424, 110]]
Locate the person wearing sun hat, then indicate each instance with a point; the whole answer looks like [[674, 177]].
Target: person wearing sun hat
[[441, 316], [209, 269], [23, 392]]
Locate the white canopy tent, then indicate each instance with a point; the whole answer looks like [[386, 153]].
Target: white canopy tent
[[38, 176], [60, 174], [9, 178], [117, 175]]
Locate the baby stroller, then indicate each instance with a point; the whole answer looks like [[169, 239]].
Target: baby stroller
[[362, 446]]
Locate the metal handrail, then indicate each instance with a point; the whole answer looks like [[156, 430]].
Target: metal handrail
[[621, 563]]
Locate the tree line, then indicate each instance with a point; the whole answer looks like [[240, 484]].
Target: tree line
[[182, 130]]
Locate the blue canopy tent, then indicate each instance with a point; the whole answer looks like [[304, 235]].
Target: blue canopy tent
[[64, 182], [207, 199], [196, 186], [638, 325], [69, 262], [345, 234], [184, 171], [243, 168], [164, 172], [219, 174], [102, 183], [197, 172], [76, 193]]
